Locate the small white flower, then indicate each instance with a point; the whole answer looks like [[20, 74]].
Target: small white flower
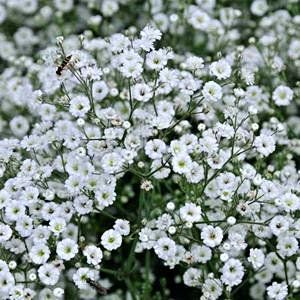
[[39, 253], [79, 106], [232, 272], [122, 226], [192, 277], [165, 248], [277, 291], [181, 163], [282, 95], [48, 274], [259, 7], [5, 233], [111, 239], [99, 90], [221, 69], [190, 213], [112, 162], [67, 249], [287, 245], [57, 225], [142, 92], [212, 91], [81, 276], [93, 254], [212, 236], [155, 148], [256, 258], [264, 144]]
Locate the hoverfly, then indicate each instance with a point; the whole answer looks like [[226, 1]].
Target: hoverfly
[[99, 288], [63, 65]]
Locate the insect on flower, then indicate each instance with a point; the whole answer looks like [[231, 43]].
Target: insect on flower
[[98, 287], [63, 65]]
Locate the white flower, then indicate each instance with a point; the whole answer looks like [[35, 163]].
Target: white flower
[[194, 63], [277, 291], [111, 239], [201, 254], [199, 19], [151, 33], [108, 7], [195, 174], [221, 69], [294, 49], [48, 274], [93, 254], [279, 224], [192, 277], [112, 162], [212, 91], [5, 233], [39, 253], [190, 213], [80, 278], [287, 245], [57, 225], [58, 292], [157, 59], [79, 106], [83, 204], [7, 281], [212, 236], [165, 248], [213, 288], [259, 7], [64, 6], [181, 163], [155, 148], [99, 90], [282, 95], [24, 226], [289, 202], [67, 249], [105, 197], [264, 144], [142, 92], [256, 258], [122, 226], [19, 126], [232, 272]]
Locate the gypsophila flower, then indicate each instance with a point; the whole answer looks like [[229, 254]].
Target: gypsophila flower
[[212, 91], [221, 69], [212, 236], [167, 132], [67, 249], [256, 258], [232, 272], [81, 276], [79, 106], [122, 226], [39, 253], [165, 248], [282, 95], [48, 274], [5, 233], [111, 239], [93, 254], [192, 277], [264, 144], [277, 291], [190, 213]]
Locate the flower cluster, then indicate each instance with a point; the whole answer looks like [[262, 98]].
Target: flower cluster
[[132, 149]]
